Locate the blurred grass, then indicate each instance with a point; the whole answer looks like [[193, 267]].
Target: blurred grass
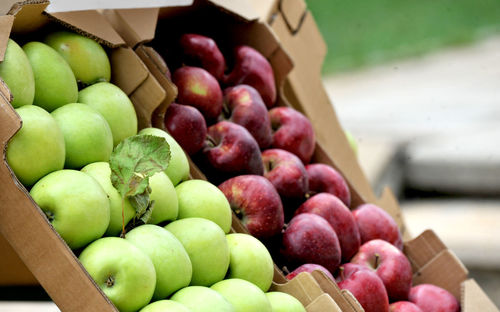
[[360, 33]]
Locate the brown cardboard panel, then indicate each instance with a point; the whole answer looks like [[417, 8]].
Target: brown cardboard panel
[[128, 77], [423, 249], [6, 22], [474, 298], [146, 99], [390, 204], [92, 24], [28, 16], [323, 303], [303, 287], [293, 12], [13, 271], [266, 9], [139, 27], [241, 8], [345, 300]]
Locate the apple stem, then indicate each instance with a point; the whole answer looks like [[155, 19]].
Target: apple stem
[[377, 260], [210, 141], [285, 269], [341, 269]]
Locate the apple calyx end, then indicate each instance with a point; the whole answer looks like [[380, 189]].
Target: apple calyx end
[[110, 281], [50, 216]]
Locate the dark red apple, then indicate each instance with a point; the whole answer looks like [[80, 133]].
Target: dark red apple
[[244, 106], [431, 298], [404, 306], [309, 267], [340, 218], [292, 132], [229, 148], [310, 239], [187, 125], [255, 201], [201, 50], [365, 285], [198, 88], [286, 172], [390, 264], [252, 68], [325, 179], [374, 223]]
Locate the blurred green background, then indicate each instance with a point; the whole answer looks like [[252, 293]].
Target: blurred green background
[[360, 33]]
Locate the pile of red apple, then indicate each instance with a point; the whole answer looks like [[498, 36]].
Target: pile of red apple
[[226, 121]]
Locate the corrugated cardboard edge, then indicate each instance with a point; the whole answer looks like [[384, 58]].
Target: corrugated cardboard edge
[[344, 299], [303, 287]]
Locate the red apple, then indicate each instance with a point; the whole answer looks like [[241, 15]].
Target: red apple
[[201, 50], [310, 239], [366, 287], [252, 68], [340, 218], [292, 132], [323, 178], [254, 199], [309, 267], [431, 298], [374, 223], [187, 126], [390, 264], [404, 306], [200, 89], [229, 148], [244, 106], [286, 172]]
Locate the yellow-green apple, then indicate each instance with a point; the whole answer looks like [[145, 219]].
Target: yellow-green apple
[[202, 199], [250, 260], [431, 298], [165, 305], [243, 105], [390, 265], [114, 105], [325, 179], [231, 150], [292, 132], [206, 245], [55, 83], [365, 285], [16, 72], [404, 306], [37, 148], [124, 273], [87, 135], [287, 173], [187, 125], [87, 59], [352, 142], [340, 218], [309, 267], [243, 295], [171, 261], [202, 299], [178, 168], [252, 68], [256, 202], [166, 206], [203, 51], [101, 172], [374, 223], [75, 204], [283, 302], [200, 89], [298, 247]]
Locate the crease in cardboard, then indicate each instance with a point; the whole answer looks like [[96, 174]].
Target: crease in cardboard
[[294, 13]]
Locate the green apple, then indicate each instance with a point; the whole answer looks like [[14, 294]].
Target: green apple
[[16, 72], [165, 305], [171, 261], [178, 168], [124, 273], [163, 193], [114, 105], [202, 299], [37, 148], [250, 260], [283, 302], [87, 135], [243, 295], [55, 83], [202, 199], [352, 141], [206, 246], [101, 172], [75, 204], [87, 59]]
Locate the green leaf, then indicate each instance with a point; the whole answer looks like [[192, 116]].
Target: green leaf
[[136, 159]]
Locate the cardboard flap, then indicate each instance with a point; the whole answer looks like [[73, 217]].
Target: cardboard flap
[[6, 22], [390, 204], [345, 301], [303, 287], [474, 298], [134, 25], [422, 249], [92, 24], [10, 122], [241, 8], [28, 16], [294, 12], [323, 303], [13, 271]]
